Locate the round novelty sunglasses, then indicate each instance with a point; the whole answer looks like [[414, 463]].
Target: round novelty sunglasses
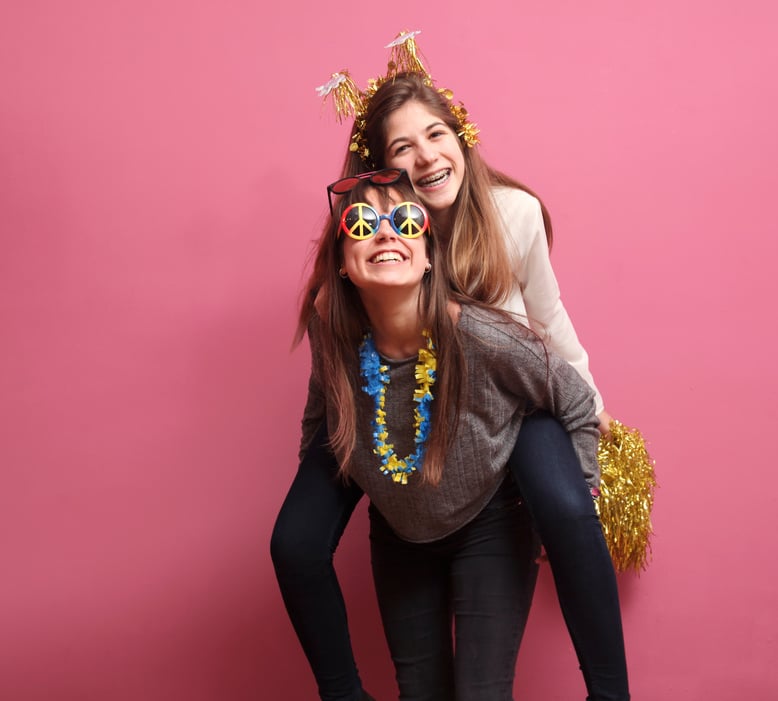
[[361, 221]]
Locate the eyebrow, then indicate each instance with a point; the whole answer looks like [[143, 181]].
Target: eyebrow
[[406, 138]]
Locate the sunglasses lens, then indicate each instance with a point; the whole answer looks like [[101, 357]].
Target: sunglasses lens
[[409, 220], [343, 186], [360, 221], [385, 177]]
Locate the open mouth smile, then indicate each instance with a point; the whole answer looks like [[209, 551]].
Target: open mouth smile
[[387, 257], [435, 179]]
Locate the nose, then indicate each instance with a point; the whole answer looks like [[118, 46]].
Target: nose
[[385, 229], [426, 154]]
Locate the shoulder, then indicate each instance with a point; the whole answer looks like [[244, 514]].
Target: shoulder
[[454, 310], [521, 217], [492, 326], [512, 201]]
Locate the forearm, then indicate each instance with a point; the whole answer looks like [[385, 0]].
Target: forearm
[[315, 405]]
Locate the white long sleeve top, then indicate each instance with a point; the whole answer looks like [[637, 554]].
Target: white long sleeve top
[[536, 295]]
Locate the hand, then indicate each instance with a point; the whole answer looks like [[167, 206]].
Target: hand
[[605, 422], [320, 302]]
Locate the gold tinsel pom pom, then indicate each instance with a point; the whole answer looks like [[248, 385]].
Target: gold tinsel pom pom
[[626, 496]]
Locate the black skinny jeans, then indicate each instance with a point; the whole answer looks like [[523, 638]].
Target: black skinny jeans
[[477, 583], [546, 468], [548, 472], [306, 533]]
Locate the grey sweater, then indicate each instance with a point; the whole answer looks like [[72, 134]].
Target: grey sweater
[[508, 373]]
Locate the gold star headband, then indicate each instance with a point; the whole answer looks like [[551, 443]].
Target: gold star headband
[[350, 101]]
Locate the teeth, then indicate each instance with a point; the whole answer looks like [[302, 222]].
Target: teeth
[[434, 179], [386, 257]]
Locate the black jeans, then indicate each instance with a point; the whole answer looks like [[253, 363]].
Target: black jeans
[[318, 507], [477, 582], [306, 534], [547, 470]]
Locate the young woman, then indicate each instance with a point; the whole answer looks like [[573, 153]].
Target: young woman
[[496, 236], [404, 370]]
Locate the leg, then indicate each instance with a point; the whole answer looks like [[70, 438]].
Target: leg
[[306, 534], [411, 587], [493, 576], [548, 472]]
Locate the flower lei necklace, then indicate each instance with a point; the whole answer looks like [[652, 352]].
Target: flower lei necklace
[[377, 376]]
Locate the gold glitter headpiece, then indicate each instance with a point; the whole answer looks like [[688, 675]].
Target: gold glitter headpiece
[[350, 101]]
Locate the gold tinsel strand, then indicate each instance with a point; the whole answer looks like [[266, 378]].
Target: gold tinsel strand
[[346, 96], [626, 496], [468, 130], [404, 55]]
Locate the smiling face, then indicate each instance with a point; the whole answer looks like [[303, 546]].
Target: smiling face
[[419, 141], [385, 260]]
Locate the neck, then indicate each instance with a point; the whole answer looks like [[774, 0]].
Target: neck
[[394, 319]]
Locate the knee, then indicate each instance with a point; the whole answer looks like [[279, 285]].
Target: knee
[[547, 469], [296, 548], [573, 502]]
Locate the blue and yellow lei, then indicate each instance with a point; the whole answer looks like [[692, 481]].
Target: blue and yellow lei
[[377, 377]]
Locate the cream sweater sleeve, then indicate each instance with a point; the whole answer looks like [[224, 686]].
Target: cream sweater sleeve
[[536, 295]]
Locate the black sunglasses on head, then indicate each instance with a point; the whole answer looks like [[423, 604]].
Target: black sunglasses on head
[[386, 176]]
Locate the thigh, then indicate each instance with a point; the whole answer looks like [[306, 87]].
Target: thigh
[[548, 472], [315, 512], [493, 580], [411, 583]]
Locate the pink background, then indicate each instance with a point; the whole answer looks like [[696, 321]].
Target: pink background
[[162, 173]]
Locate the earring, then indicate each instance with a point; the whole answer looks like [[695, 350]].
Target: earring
[[342, 272], [427, 267]]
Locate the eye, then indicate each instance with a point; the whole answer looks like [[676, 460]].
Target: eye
[[409, 220], [360, 221]]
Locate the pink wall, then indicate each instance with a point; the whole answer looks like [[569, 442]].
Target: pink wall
[[162, 172]]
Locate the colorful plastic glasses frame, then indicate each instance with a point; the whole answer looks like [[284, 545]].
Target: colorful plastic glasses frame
[[361, 221]]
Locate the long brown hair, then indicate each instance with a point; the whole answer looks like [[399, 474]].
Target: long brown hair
[[478, 263], [339, 320]]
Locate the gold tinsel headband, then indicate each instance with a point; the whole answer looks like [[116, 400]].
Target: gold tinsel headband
[[350, 101]]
